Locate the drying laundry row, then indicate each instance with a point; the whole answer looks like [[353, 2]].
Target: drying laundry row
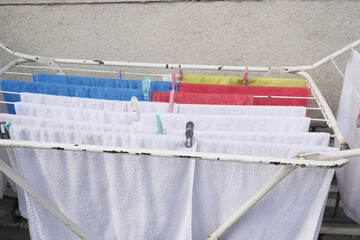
[[160, 91], [159, 197]]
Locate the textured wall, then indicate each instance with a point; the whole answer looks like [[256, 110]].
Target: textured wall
[[256, 33]]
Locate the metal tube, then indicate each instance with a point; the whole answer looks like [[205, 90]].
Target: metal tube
[[8, 171], [186, 66], [174, 154], [332, 155], [16, 73], [11, 65], [96, 71], [326, 110]]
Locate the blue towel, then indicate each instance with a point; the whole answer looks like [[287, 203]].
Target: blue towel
[[108, 93], [156, 86]]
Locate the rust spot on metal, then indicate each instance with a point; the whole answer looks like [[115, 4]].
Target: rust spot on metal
[[220, 67], [186, 156], [58, 148], [279, 163], [76, 145], [275, 163], [114, 151], [145, 153], [99, 62], [167, 65]]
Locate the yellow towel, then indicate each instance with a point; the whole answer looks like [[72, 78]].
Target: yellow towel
[[251, 81]]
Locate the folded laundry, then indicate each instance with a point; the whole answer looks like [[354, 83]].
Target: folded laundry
[[250, 81], [269, 93], [159, 86], [204, 98], [66, 90]]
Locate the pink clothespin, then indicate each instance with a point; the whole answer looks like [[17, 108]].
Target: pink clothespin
[[245, 76], [181, 75], [172, 93], [358, 120]]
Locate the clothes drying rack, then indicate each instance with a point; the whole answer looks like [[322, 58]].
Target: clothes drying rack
[[331, 160]]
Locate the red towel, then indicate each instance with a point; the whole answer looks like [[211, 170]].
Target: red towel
[[254, 90], [204, 98]]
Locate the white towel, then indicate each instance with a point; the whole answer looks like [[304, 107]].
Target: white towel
[[348, 177], [219, 189], [124, 106], [292, 210], [109, 196], [300, 138], [169, 121]]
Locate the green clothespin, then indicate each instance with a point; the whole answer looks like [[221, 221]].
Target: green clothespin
[[7, 128], [146, 83], [159, 125]]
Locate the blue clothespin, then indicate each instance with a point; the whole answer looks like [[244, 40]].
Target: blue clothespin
[[159, 125], [146, 88]]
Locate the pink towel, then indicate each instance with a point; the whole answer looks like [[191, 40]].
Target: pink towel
[[253, 90], [204, 98]]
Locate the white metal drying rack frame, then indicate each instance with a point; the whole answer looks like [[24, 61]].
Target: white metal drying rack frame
[[301, 159]]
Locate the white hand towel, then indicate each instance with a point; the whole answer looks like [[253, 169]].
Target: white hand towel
[[109, 196], [299, 138], [292, 210], [219, 189], [169, 121], [124, 106], [317, 139], [348, 177]]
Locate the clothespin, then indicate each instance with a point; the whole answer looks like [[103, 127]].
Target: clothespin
[[245, 76], [159, 125], [119, 73], [173, 80], [146, 88], [189, 133], [358, 120], [134, 105], [172, 92], [4, 130], [181, 75]]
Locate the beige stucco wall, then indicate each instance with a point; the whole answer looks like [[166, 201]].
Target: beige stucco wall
[[256, 33]]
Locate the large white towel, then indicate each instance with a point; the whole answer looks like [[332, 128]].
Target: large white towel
[[300, 138], [169, 121], [93, 185], [292, 210], [109, 196], [349, 176], [124, 106]]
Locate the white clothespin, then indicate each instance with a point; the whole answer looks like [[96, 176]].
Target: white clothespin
[[134, 105]]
